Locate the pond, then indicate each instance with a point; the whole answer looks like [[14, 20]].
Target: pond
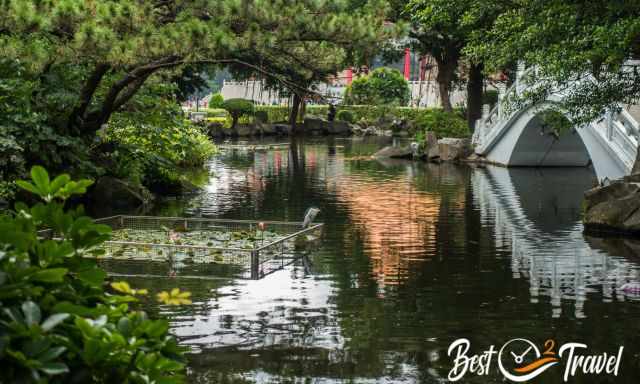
[[413, 257]]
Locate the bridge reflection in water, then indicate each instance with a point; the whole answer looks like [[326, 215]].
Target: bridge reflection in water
[[538, 212]]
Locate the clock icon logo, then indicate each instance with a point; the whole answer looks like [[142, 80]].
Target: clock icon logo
[[520, 360]]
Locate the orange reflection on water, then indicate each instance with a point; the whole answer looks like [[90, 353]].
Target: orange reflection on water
[[397, 223]]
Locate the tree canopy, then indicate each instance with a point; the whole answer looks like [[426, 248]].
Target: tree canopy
[[568, 41]]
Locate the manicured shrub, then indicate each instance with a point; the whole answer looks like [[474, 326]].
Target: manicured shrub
[[275, 113], [262, 116], [345, 115], [216, 101], [381, 86], [217, 112], [444, 124], [61, 322], [238, 108]]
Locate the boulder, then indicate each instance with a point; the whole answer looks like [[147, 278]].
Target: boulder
[[433, 154], [116, 192], [339, 128], [450, 149], [282, 129], [394, 152], [313, 124], [244, 130], [266, 129], [613, 208]]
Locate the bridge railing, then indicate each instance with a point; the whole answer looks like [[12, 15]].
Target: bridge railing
[[487, 125], [619, 129]]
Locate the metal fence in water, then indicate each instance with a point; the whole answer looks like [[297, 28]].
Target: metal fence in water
[[167, 239]]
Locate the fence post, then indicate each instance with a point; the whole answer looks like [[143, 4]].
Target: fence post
[[255, 265], [502, 90], [519, 74]]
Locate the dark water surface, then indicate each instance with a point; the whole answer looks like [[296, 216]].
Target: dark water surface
[[414, 257]]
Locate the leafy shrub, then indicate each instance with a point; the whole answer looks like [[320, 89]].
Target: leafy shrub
[[153, 141], [345, 115], [444, 124], [58, 324], [262, 116], [238, 108], [217, 112], [381, 86], [216, 101]]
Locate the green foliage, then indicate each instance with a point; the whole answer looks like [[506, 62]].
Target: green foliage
[[154, 141], [238, 108], [381, 86], [216, 101], [57, 323], [261, 116], [444, 124], [565, 41], [275, 113], [345, 115], [217, 112], [68, 67]]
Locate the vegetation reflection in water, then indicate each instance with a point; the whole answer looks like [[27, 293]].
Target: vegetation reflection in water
[[414, 256]]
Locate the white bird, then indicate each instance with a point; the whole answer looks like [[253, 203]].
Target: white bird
[[311, 214]]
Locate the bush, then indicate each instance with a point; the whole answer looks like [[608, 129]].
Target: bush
[[238, 108], [58, 324], [216, 101], [262, 116], [217, 112], [381, 86], [444, 124], [345, 115]]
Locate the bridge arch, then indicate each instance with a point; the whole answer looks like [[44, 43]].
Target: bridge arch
[[522, 139]]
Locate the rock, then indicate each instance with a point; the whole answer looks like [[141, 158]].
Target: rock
[[473, 158], [634, 178], [433, 154], [312, 124], [245, 130], [116, 192], [450, 149], [339, 128], [394, 152], [282, 129], [613, 208], [614, 191]]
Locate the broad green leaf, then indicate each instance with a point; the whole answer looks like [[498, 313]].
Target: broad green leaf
[[52, 369], [28, 187], [59, 182], [31, 312], [40, 178], [53, 320], [51, 275], [93, 276], [51, 354]]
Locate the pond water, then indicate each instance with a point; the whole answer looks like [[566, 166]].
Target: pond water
[[413, 257]]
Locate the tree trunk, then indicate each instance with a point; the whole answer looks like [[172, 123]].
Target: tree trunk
[[293, 115], [303, 109], [446, 70], [475, 85]]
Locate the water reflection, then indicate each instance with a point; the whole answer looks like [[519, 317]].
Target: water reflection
[[414, 256], [539, 210]]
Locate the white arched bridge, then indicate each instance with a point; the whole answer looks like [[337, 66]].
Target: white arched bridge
[[517, 137]]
